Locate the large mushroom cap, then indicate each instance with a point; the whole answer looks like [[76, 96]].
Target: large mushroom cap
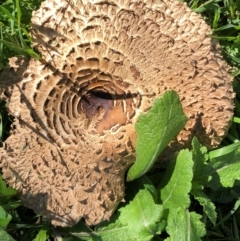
[[104, 63]]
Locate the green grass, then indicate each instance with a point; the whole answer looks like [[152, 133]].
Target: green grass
[[224, 18], [14, 36]]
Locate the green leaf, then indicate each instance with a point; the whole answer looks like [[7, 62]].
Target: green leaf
[[142, 216], [227, 26], [5, 218], [116, 231], [150, 187], [141, 183], [12, 205], [184, 225], [224, 150], [20, 50], [224, 170], [228, 38], [208, 207], [236, 119], [176, 184], [80, 226], [138, 220], [155, 130], [8, 14], [5, 192], [200, 157], [5, 236], [43, 234]]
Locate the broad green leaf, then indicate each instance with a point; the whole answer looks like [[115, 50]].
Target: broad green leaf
[[184, 225], [224, 170], [208, 206], [4, 236], [5, 218], [142, 216], [138, 220], [176, 184], [155, 130]]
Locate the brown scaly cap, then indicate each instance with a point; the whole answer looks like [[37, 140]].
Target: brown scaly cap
[[104, 63]]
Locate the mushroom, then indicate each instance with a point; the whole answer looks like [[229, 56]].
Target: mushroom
[[104, 63]]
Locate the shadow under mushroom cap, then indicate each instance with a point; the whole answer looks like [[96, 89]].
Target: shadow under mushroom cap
[[104, 63]]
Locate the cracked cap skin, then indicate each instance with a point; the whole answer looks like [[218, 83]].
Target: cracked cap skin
[[105, 62]]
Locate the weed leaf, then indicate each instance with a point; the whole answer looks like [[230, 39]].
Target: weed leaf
[[5, 218], [184, 225], [5, 192], [175, 193], [8, 14], [141, 183], [114, 231], [142, 215], [12, 205], [224, 170], [155, 130], [43, 234], [208, 206], [224, 150], [5, 236], [200, 158]]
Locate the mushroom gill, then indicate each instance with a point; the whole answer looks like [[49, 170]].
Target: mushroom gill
[[103, 64]]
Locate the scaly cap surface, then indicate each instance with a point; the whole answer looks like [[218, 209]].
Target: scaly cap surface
[[104, 62]]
